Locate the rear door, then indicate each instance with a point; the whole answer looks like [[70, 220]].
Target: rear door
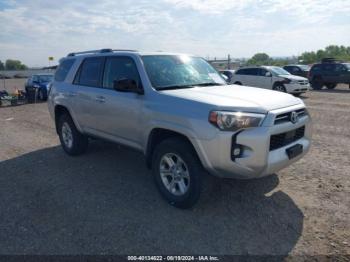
[[329, 73], [87, 83], [251, 77]]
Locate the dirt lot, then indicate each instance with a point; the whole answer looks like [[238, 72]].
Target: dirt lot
[[105, 202]]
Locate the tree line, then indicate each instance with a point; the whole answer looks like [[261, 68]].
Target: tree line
[[333, 51], [339, 52], [11, 64]]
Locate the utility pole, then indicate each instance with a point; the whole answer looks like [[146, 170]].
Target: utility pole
[[228, 62]]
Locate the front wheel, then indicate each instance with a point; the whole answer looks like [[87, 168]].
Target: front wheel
[[279, 87], [177, 172], [72, 141], [331, 86]]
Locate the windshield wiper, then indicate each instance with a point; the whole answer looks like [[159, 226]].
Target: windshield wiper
[[174, 87], [187, 86], [209, 84]]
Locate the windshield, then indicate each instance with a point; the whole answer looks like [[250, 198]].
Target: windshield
[[45, 78], [278, 70], [180, 71], [304, 67]]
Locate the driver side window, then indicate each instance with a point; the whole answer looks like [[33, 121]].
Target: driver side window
[[117, 68]]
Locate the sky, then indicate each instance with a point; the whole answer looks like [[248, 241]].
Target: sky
[[33, 30]]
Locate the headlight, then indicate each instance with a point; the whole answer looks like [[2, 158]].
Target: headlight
[[36, 85], [287, 81], [233, 121]]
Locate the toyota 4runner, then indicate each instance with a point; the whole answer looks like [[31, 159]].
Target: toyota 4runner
[[180, 113]]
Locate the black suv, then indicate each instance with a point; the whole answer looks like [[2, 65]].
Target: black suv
[[298, 70], [329, 73]]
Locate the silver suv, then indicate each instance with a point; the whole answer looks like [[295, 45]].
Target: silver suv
[[180, 113]]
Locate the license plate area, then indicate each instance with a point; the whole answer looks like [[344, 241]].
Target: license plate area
[[294, 151]]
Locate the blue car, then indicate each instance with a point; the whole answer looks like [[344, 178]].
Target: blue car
[[41, 82]]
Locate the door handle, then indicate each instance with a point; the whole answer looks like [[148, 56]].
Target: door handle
[[100, 99]]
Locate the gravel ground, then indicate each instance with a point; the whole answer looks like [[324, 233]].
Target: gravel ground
[[105, 202]]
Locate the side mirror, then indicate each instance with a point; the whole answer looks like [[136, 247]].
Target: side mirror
[[268, 74], [127, 85]]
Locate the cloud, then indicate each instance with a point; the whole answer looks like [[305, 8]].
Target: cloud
[[212, 6], [32, 30]]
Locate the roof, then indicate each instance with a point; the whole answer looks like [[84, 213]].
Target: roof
[[119, 51]]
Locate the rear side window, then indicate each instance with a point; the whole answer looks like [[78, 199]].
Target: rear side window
[[253, 71], [90, 72], [242, 72], [63, 69], [329, 67], [316, 68]]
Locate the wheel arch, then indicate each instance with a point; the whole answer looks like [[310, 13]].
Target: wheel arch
[[61, 109], [157, 135]]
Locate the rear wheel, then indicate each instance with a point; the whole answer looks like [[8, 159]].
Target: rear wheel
[[317, 83], [331, 86], [72, 141], [177, 172], [279, 87]]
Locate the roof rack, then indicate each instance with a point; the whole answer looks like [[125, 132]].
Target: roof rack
[[330, 60], [104, 50]]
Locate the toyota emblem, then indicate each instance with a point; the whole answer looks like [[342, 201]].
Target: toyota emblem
[[294, 117]]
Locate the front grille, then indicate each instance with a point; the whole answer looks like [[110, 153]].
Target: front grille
[[283, 139], [285, 117], [303, 82]]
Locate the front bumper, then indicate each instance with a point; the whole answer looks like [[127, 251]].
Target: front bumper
[[257, 160], [297, 88]]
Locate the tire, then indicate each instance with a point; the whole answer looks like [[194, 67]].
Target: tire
[[317, 83], [41, 95], [279, 87], [188, 172], [238, 83], [331, 85], [72, 141]]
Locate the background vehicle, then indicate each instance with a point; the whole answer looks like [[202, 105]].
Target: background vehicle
[[180, 113], [41, 82], [271, 77], [298, 70], [228, 73], [329, 73]]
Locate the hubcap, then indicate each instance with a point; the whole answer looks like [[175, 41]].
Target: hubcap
[[279, 88], [174, 174], [67, 135]]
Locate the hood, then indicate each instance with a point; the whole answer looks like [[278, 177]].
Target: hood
[[293, 77], [237, 97]]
